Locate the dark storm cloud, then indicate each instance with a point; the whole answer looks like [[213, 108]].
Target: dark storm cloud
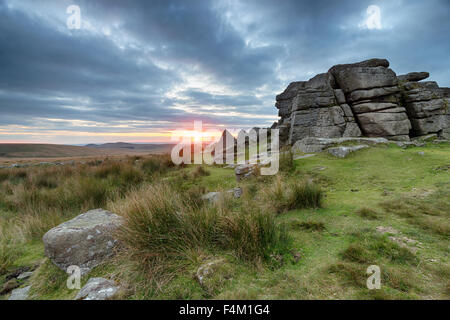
[[219, 61]]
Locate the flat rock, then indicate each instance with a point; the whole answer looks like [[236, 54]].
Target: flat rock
[[20, 294], [357, 78], [97, 289], [85, 241], [311, 144], [298, 157], [413, 76], [369, 94], [372, 107], [342, 152], [24, 275]]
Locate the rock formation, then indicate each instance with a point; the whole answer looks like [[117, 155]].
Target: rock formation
[[363, 99]]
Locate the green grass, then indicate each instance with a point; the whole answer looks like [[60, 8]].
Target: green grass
[[331, 244]]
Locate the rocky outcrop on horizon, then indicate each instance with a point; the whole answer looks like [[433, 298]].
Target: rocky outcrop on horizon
[[363, 99]]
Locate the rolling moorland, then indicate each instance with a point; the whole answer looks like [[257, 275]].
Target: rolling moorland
[[19, 153], [309, 232]]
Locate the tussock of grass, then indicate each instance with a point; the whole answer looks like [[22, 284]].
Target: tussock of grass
[[49, 282], [200, 171], [162, 228], [288, 195], [368, 213], [308, 225]]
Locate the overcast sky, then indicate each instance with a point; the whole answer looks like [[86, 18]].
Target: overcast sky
[[136, 70]]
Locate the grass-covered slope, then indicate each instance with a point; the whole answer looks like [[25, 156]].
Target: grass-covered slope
[[281, 240]]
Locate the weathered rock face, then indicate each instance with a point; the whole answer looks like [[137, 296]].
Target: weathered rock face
[[427, 108], [85, 241], [314, 109], [362, 99]]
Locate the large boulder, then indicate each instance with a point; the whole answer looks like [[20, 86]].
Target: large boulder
[[85, 241]]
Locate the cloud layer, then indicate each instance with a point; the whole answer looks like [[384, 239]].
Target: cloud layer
[[137, 70]]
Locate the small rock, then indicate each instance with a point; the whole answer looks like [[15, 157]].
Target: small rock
[[17, 272], [384, 230], [24, 275], [342, 152], [237, 192], [244, 171], [211, 196], [421, 153], [97, 289], [207, 269], [20, 294]]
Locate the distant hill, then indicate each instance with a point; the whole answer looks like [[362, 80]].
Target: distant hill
[[154, 148], [26, 150]]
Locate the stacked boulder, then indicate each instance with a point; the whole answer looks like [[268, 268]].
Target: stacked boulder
[[426, 104], [371, 90], [313, 109], [362, 99]]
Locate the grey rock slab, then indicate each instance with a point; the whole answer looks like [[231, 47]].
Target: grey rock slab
[[20, 294], [357, 78], [24, 275], [312, 144]]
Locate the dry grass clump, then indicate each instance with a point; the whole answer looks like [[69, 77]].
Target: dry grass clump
[[287, 195], [368, 213], [286, 160], [163, 229], [200, 171]]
